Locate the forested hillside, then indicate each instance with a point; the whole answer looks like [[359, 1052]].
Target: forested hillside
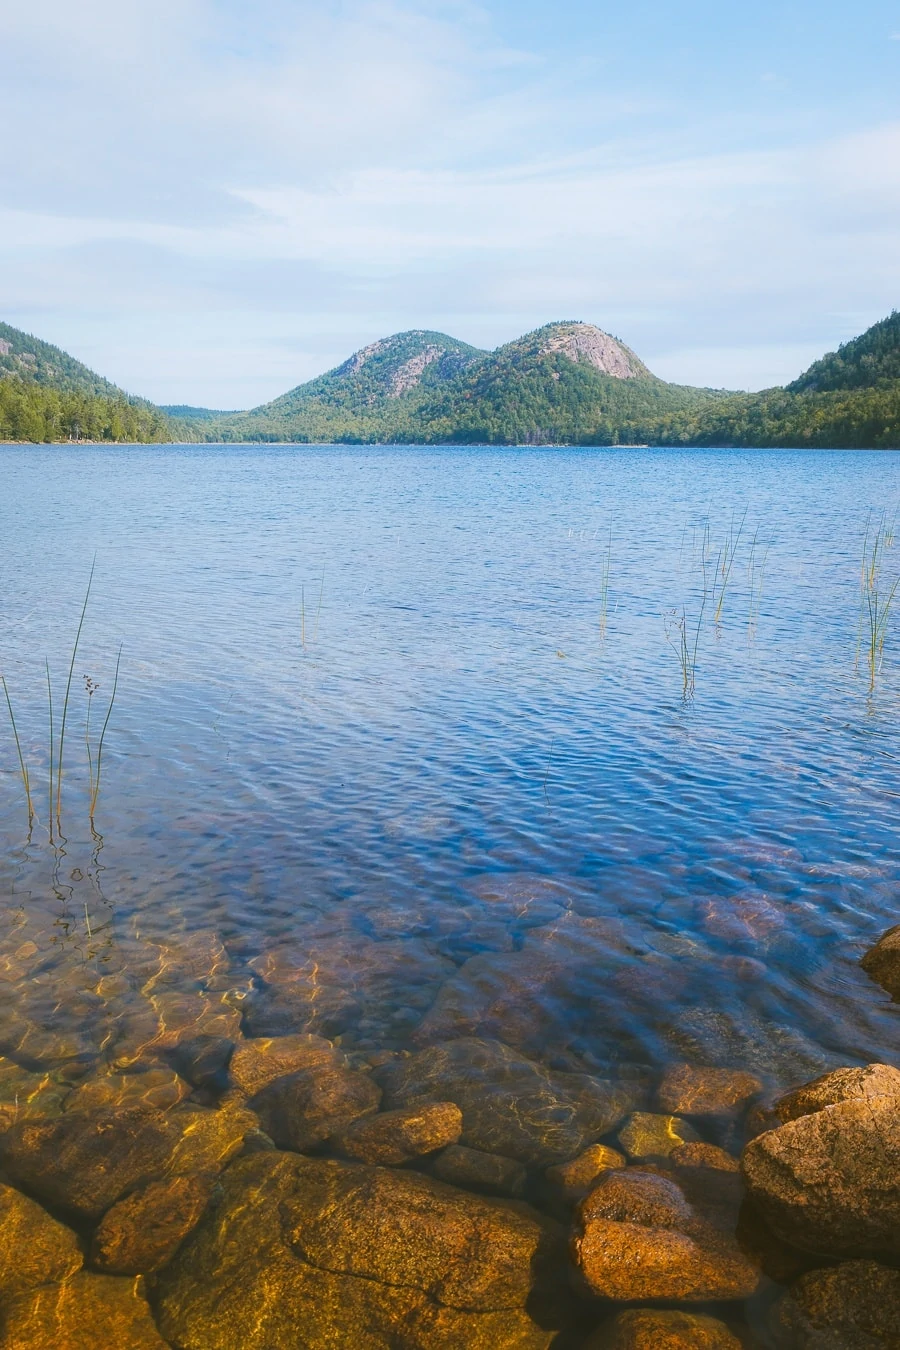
[[46, 395], [566, 382]]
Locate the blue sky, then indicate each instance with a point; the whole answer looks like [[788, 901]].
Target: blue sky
[[210, 201]]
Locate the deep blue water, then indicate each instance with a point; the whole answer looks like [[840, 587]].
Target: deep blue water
[[366, 698]]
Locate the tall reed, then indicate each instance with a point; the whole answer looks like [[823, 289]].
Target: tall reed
[[95, 791], [725, 564], [23, 767], [65, 707], [876, 599], [604, 586]]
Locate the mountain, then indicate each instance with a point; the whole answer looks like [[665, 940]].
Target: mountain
[[46, 395], [373, 396], [567, 383], [849, 399], [564, 382], [870, 361]]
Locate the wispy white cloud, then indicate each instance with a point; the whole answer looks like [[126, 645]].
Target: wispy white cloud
[[194, 194]]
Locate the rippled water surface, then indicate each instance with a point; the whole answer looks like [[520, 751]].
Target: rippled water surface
[[371, 736]]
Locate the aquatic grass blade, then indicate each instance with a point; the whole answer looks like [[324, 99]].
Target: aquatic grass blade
[[112, 698], [65, 707], [22, 765]]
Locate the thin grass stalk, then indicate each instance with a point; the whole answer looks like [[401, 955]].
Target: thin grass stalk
[[604, 587], [65, 708], [50, 707], [22, 765], [319, 608], [112, 698], [726, 563], [302, 617]]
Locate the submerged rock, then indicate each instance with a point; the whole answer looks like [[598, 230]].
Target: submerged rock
[[477, 1171], [335, 980], [258, 1062], [28, 1096], [142, 1232], [304, 1108], [156, 1087], [645, 1135], [652, 1329], [882, 961], [638, 1238], [355, 1255], [854, 1306], [394, 1137], [510, 1104], [87, 1312], [85, 1162], [691, 1091], [573, 1179], [827, 1179], [34, 1248]]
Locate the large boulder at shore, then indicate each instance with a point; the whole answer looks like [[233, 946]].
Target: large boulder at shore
[[510, 1104], [827, 1180], [356, 1255], [304, 1108], [637, 1237], [141, 1232], [87, 1312], [854, 1306], [256, 1063], [882, 961], [689, 1090], [655, 1329], [34, 1248], [84, 1161], [394, 1137]]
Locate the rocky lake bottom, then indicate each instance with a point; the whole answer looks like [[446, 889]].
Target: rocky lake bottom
[[439, 967]]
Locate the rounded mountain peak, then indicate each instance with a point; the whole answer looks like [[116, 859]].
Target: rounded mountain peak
[[585, 342]]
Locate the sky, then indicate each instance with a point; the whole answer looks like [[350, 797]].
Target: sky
[[211, 201]]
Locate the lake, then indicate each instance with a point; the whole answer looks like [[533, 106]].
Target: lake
[[403, 751]]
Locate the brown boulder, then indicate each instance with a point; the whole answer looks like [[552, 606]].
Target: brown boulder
[[840, 1085], [882, 961], [256, 1063], [34, 1248], [142, 1232], [827, 1181], [639, 1238], [208, 1140], [704, 1155], [85, 1162], [687, 1090], [304, 1108], [645, 1135], [336, 981], [477, 1171], [87, 1312], [354, 1255], [156, 1087], [573, 1179], [393, 1137], [854, 1306], [652, 1329], [510, 1104]]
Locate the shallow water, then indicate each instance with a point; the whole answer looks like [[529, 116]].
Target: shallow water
[[369, 720]]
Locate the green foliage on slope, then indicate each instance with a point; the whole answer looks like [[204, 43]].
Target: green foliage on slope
[[871, 361], [549, 387], [46, 395]]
